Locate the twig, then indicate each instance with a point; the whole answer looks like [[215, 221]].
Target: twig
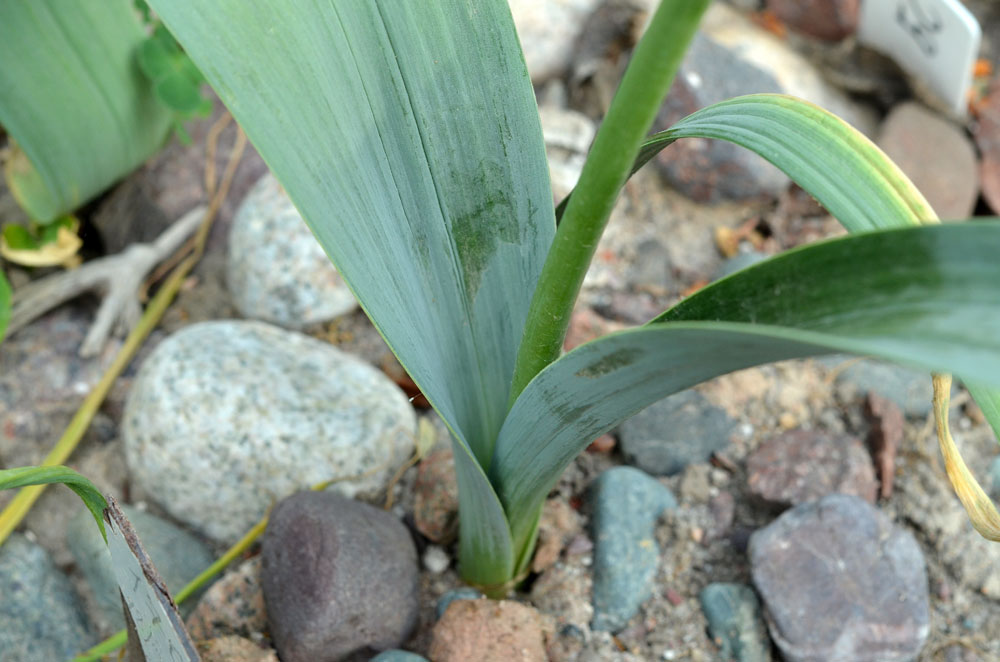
[[119, 276]]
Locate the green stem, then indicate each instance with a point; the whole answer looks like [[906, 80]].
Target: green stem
[[649, 75]]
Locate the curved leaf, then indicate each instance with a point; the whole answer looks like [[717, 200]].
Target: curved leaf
[[407, 135], [826, 156], [91, 496], [922, 296]]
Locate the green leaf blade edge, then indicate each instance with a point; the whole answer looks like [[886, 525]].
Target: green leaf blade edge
[[88, 493]]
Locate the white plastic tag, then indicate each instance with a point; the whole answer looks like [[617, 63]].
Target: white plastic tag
[[935, 40]]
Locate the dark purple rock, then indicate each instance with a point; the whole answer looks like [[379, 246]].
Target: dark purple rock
[[339, 577], [841, 583], [830, 20], [804, 465]]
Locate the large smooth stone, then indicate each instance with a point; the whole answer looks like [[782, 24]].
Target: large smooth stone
[[339, 577], [225, 418]]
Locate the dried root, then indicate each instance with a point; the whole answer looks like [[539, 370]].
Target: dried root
[[119, 278]]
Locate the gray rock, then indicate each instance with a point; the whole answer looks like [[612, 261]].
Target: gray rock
[[735, 623], [339, 577], [909, 389], [841, 583], [626, 504], [277, 271], [227, 417], [675, 432], [936, 155], [42, 617], [178, 556], [398, 656], [464, 593], [548, 31]]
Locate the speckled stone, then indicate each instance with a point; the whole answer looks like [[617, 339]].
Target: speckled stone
[[841, 583], [178, 556], [735, 623], [41, 618], [226, 418], [234, 605], [277, 271], [340, 577], [548, 32], [626, 504]]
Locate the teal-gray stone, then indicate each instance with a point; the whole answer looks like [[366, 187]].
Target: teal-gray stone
[[398, 656], [626, 504], [464, 593], [178, 556], [735, 623], [41, 618], [677, 431]]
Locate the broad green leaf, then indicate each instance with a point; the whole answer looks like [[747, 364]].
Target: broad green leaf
[[5, 302], [79, 111], [91, 496], [923, 296], [407, 135]]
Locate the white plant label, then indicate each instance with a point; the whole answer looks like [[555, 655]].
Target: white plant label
[[935, 40]]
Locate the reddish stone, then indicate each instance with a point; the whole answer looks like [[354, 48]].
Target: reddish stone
[[884, 438], [435, 507], [803, 465], [830, 20], [603, 444], [489, 631]]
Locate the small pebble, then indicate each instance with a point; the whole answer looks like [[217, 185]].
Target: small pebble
[[626, 505], [398, 656], [735, 622], [436, 560], [489, 631]]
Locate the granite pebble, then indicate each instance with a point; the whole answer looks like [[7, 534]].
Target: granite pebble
[[277, 271], [227, 417]]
